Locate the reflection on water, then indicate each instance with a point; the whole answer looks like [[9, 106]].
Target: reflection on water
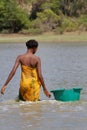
[[63, 65]]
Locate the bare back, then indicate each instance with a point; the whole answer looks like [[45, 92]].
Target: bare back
[[29, 60]]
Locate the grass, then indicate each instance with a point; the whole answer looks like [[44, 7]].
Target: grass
[[46, 37]]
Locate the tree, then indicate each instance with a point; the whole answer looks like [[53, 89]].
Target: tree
[[72, 7], [46, 20], [36, 7], [55, 6], [12, 17]]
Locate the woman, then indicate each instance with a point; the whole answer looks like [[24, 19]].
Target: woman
[[31, 75]]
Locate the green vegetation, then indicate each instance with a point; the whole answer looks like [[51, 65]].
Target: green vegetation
[[39, 16]]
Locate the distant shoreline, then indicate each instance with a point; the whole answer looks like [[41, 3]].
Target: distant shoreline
[[45, 38]]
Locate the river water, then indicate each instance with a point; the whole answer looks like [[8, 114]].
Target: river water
[[64, 65]]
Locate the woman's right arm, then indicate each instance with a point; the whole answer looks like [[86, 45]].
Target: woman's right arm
[[10, 76]]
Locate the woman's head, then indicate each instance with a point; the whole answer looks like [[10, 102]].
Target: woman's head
[[31, 44]]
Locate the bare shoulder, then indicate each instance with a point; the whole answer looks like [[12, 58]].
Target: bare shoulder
[[38, 58], [19, 57]]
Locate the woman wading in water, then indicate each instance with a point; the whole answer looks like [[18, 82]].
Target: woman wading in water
[[31, 75]]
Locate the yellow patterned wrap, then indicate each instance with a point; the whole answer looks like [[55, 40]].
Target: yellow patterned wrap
[[29, 84]]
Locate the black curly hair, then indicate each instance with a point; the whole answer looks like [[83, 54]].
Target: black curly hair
[[32, 44]]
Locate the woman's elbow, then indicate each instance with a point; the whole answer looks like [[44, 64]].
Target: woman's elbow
[[40, 77]]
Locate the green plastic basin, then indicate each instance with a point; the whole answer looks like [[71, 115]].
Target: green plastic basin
[[67, 94]]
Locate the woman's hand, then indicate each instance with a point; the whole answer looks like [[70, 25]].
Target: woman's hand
[[47, 93], [3, 89]]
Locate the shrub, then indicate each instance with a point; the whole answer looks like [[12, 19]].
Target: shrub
[[4, 31], [12, 18], [82, 20], [46, 20], [59, 30], [69, 24], [31, 31]]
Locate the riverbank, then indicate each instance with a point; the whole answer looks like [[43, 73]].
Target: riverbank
[[46, 37]]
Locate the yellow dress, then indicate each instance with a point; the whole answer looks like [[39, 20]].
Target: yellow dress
[[29, 84]]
